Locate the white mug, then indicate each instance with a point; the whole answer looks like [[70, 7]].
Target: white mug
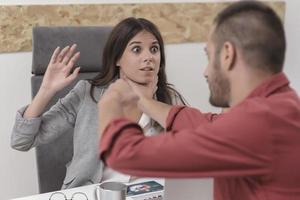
[[112, 191]]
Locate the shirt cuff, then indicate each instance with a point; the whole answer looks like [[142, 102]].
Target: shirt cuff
[[111, 133], [172, 116], [26, 126]]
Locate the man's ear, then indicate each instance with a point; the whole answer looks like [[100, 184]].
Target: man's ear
[[228, 56]]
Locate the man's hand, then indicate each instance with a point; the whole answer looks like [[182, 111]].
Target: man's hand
[[118, 96], [143, 90], [128, 96], [153, 108]]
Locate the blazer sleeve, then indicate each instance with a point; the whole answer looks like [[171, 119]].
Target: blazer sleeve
[[28, 133]]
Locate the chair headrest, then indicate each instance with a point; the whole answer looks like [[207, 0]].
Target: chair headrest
[[90, 42]]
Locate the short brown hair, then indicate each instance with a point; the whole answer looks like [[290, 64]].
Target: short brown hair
[[254, 28]]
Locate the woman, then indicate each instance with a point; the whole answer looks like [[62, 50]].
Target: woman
[[134, 50]]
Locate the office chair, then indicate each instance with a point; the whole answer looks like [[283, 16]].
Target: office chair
[[52, 158]]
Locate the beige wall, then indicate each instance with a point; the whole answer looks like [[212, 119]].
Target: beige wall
[[178, 22]]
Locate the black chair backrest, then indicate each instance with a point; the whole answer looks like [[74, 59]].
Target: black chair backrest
[[52, 157]]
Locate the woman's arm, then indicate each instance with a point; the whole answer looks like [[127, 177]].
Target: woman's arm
[[61, 117], [57, 77], [32, 129]]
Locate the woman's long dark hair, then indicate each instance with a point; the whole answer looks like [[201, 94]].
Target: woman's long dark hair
[[116, 44]]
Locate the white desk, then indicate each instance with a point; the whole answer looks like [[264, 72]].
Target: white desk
[[89, 190]]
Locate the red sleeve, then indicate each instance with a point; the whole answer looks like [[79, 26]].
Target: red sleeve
[[112, 131], [181, 117], [230, 146]]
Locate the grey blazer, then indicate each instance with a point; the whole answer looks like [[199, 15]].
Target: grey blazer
[[75, 111]]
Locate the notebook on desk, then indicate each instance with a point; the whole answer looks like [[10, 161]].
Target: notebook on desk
[[173, 189], [145, 191]]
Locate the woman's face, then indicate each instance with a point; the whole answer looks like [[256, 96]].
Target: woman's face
[[141, 58]]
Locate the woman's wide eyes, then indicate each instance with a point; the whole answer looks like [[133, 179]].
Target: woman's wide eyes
[[138, 49], [154, 49]]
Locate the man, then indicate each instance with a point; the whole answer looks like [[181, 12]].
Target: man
[[252, 150]]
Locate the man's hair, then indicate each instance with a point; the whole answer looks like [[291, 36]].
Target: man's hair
[[256, 30]]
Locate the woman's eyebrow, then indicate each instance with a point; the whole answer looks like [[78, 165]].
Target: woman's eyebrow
[[134, 42]]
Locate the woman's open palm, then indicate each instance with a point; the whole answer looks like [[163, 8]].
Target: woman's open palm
[[59, 72]]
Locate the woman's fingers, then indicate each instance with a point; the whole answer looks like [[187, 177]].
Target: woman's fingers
[[62, 54], [73, 75], [155, 80], [73, 60], [69, 54], [153, 84], [123, 77], [54, 55]]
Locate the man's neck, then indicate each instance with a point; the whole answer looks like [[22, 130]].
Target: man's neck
[[244, 83]]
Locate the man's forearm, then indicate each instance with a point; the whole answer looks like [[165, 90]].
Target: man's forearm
[[108, 111], [156, 110]]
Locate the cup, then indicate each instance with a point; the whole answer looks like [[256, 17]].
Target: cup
[[112, 191]]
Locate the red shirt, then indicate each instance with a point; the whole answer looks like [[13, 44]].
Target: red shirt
[[252, 151]]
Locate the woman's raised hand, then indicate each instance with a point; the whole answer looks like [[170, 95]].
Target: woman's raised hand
[[59, 72], [58, 75]]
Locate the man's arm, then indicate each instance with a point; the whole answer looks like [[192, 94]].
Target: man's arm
[[156, 110], [159, 111], [228, 147], [109, 109]]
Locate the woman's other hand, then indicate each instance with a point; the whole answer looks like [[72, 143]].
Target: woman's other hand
[[59, 71]]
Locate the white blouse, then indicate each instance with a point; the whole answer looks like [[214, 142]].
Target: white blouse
[[112, 175]]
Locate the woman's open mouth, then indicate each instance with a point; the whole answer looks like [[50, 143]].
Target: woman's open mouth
[[147, 69]]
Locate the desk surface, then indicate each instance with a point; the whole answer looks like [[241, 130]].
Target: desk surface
[[89, 190]]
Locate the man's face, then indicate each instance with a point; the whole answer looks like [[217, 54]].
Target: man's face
[[218, 82]]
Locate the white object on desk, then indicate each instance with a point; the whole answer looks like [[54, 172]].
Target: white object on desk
[[112, 190], [89, 190]]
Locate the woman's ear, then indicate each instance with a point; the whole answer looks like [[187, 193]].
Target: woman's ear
[[118, 63], [228, 55]]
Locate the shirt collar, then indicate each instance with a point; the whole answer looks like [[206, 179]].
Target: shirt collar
[[270, 85], [144, 120]]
